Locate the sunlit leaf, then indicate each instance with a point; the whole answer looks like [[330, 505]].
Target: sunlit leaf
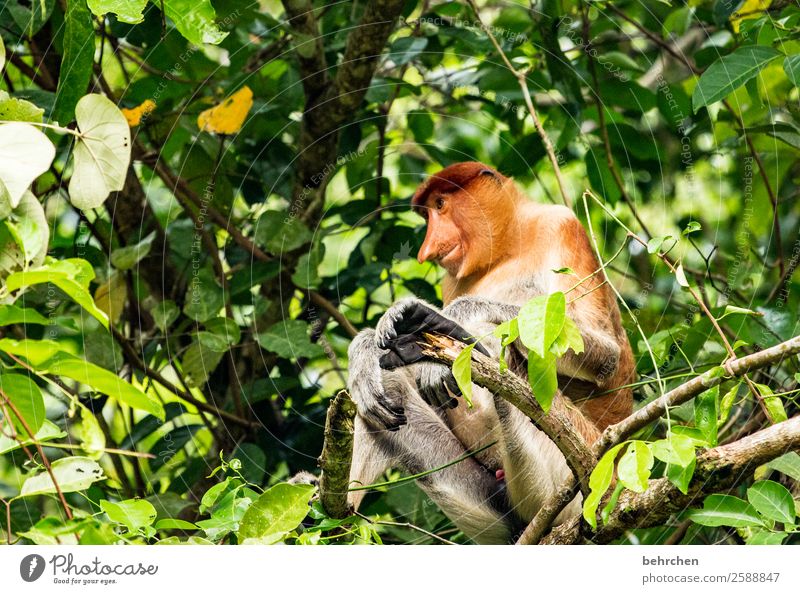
[[74, 473], [726, 510], [772, 500], [750, 9], [280, 509], [112, 296], [25, 400], [462, 372], [599, 482], [134, 115], [228, 116], [730, 72], [25, 153], [195, 19], [102, 152], [126, 11], [541, 320], [68, 275], [131, 513], [634, 466]]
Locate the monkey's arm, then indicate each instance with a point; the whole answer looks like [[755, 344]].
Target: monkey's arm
[[592, 305]]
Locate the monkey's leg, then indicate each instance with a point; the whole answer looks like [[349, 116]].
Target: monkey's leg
[[466, 492], [421, 441]]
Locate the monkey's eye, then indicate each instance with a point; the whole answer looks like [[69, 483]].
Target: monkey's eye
[[439, 203]]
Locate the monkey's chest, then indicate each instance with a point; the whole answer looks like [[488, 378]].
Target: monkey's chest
[[478, 426]]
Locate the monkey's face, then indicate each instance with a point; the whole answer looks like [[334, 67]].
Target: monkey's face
[[468, 211], [458, 235]]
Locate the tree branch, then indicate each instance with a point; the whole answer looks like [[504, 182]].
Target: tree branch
[[337, 456], [618, 432], [325, 113], [717, 469]]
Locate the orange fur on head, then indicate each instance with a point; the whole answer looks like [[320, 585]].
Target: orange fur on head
[[470, 210]]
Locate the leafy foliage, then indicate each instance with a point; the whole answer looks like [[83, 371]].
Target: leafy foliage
[[197, 208]]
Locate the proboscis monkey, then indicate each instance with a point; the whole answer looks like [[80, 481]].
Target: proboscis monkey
[[498, 250]]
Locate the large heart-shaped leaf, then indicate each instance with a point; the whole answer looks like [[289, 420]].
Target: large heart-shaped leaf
[[102, 152]]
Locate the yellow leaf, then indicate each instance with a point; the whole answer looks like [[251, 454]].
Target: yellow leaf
[[751, 9], [111, 296], [135, 114], [228, 116]]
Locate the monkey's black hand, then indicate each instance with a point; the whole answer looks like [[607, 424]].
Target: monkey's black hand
[[378, 395], [402, 326]]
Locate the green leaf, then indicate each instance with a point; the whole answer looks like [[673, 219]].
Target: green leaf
[[543, 378], [279, 510], [788, 464], [68, 275], [224, 330], [680, 476], [74, 473], [77, 61], [32, 228], [204, 298], [791, 65], [195, 19], [25, 154], [655, 243], [102, 152], [102, 380], [462, 372], [175, 524], [405, 49], [772, 500], [131, 513], [676, 449], [691, 228], [731, 310], [280, 233], [541, 320], [680, 276], [307, 273], [706, 414], [48, 432], [726, 510], [127, 257], [164, 313], [727, 403], [730, 72], [634, 466], [12, 314], [569, 338], [46, 357], [19, 110], [766, 537], [127, 11], [772, 403], [289, 339], [27, 399], [2, 54], [93, 440], [199, 361], [599, 482]]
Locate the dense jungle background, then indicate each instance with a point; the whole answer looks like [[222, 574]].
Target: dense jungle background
[[202, 202]]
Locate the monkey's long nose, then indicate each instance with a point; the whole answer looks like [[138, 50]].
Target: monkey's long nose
[[427, 251]]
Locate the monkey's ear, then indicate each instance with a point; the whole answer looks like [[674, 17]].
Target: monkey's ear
[[491, 174]]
